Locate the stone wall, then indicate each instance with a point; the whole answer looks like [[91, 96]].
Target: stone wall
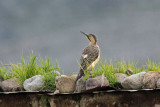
[[142, 98]]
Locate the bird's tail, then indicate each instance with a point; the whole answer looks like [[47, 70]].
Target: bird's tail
[[81, 73]]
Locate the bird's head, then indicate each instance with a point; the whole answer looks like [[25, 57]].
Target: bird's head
[[92, 38]]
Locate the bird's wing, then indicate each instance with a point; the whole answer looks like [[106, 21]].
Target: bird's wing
[[89, 55]]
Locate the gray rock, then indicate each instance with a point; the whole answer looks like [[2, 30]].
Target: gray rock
[[10, 85], [150, 79], [120, 77], [97, 82], [81, 85], [66, 84], [134, 81], [56, 92], [158, 83], [34, 83]]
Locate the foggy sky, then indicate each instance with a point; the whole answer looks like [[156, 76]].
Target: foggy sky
[[125, 29]]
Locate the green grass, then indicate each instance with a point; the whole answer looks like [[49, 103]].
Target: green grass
[[25, 69], [152, 66], [34, 65], [4, 73], [49, 73], [122, 66], [31, 67], [109, 69]]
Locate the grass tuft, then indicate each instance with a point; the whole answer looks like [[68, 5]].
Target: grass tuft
[[25, 69], [31, 67], [152, 66], [109, 69], [4, 73], [49, 72]]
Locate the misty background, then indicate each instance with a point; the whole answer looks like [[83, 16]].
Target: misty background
[[128, 29]]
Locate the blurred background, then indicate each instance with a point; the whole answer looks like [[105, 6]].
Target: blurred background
[[128, 29]]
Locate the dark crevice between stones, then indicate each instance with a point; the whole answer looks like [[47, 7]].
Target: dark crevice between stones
[[44, 101], [1, 90], [117, 86]]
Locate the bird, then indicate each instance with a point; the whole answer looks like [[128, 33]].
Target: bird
[[90, 55]]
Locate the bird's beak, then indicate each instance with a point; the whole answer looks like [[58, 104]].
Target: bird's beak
[[85, 34]]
